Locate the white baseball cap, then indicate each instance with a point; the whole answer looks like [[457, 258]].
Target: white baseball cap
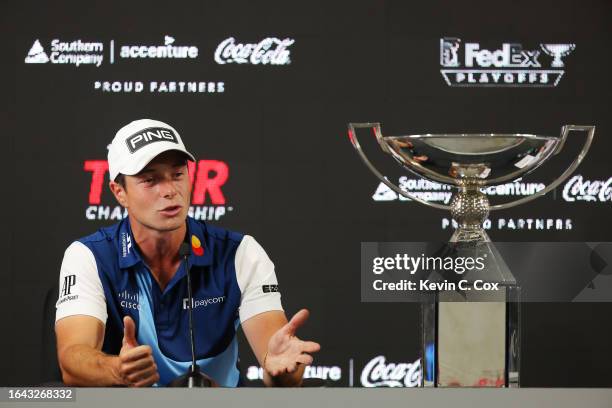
[[136, 144]]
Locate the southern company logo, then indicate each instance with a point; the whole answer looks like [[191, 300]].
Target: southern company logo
[[508, 66], [75, 53], [37, 54]]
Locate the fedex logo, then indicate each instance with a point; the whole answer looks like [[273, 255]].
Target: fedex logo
[[510, 55], [206, 177], [508, 66]]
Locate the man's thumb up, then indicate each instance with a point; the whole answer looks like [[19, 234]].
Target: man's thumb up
[[129, 333], [136, 365]]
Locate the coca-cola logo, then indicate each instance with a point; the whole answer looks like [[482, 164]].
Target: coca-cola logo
[[579, 189], [379, 373], [269, 51]]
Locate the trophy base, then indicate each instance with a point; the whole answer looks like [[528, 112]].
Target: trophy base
[[471, 338]]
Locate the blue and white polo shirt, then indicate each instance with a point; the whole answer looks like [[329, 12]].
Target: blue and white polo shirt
[[104, 276]]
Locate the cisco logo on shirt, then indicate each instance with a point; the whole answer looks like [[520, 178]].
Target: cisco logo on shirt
[[129, 300]]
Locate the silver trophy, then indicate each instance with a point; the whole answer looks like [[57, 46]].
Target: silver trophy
[[557, 51], [472, 339]]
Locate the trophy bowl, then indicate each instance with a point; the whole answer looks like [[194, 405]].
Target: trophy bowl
[[488, 158], [470, 162]]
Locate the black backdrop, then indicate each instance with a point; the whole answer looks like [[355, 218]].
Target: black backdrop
[[295, 182]]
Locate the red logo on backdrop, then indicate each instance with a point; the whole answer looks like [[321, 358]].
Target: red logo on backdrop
[[207, 178]]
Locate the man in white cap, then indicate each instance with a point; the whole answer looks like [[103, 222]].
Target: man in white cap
[[122, 312]]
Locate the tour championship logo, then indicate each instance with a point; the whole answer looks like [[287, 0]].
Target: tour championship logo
[[507, 65], [72, 52], [208, 201]]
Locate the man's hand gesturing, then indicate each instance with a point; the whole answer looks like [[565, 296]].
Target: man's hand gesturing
[[137, 367], [286, 351]]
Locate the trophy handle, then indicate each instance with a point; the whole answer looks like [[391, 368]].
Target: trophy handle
[[585, 148], [376, 129]]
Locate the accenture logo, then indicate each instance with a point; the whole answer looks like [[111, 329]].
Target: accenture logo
[[76, 52], [471, 65], [329, 373], [166, 51]]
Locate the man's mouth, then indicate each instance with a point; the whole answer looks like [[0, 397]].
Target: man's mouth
[[171, 210]]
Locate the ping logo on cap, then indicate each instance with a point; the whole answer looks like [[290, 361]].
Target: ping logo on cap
[[148, 136]]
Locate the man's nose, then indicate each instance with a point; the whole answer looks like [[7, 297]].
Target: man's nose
[[167, 188]]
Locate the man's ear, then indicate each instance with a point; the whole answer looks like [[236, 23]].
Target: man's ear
[[119, 193]]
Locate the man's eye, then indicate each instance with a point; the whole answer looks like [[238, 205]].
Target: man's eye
[[179, 174], [147, 180]]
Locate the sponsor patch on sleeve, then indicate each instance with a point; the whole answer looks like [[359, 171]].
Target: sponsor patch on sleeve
[[269, 288]]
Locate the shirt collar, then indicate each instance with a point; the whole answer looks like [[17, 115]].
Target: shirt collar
[[201, 246]]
